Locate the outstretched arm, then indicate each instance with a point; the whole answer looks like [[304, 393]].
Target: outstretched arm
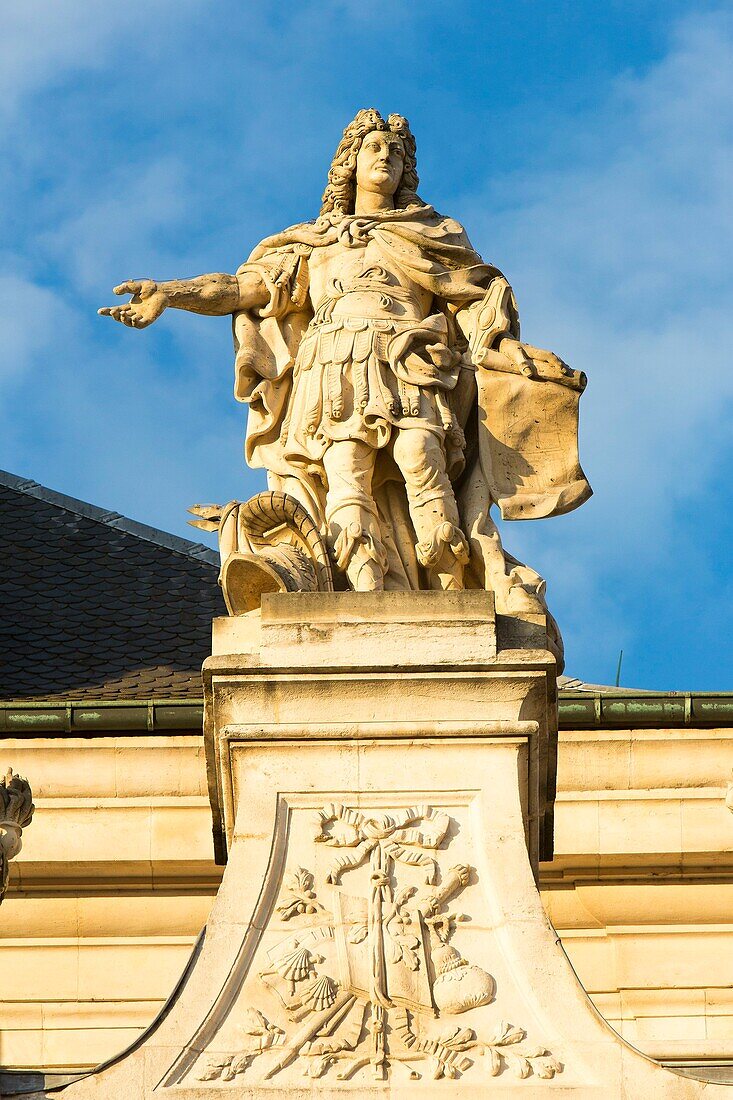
[[213, 295]]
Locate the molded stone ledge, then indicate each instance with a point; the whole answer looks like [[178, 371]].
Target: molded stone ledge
[[423, 810]]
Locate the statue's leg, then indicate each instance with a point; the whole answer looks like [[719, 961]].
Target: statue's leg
[[351, 515], [516, 587], [441, 546]]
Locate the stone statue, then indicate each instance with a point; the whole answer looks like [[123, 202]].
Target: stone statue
[[391, 400], [16, 812]]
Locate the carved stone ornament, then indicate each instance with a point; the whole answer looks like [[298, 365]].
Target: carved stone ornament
[[391, 399], [16, 813], [269, 544], [365, 985], [381, 773]]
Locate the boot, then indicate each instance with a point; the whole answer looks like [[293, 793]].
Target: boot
[[444, 555], [362, 557]]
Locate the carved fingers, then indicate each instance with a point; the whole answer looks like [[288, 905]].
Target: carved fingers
[[525, 358], [543, 356], [519, 355], [117, 313], [138, 287], [443, 357], [145, 306]]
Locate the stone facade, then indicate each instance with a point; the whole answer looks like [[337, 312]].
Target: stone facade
[[640, 887], [638, 890]]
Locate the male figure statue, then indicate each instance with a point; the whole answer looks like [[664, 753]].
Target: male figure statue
[[366, 345]]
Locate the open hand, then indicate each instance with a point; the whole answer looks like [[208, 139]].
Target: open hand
[[145, 306]]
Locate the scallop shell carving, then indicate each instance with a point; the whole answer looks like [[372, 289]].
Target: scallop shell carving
[[295, 965], [320, 994]]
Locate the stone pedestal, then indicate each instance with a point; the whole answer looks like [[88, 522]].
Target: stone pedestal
[[381, 772]]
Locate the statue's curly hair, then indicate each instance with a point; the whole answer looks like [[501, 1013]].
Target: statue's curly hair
[[340, 194]]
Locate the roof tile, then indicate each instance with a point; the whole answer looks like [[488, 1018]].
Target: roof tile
[[95, 606]]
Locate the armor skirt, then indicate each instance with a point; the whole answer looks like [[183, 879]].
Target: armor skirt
[[347, 386]]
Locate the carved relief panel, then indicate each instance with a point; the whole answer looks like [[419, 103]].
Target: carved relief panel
[[365, 970]]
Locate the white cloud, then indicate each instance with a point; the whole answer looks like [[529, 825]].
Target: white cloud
[[131, 212], [619, 243], [31, 321], [101, 418], [617, 236], [43, 41]]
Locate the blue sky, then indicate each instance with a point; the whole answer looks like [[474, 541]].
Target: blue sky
[[585, 145]]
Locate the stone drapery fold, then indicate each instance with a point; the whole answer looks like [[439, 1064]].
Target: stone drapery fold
[[520, 432]]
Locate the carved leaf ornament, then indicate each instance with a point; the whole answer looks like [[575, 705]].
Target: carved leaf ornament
[[397, 971], [298, 895]]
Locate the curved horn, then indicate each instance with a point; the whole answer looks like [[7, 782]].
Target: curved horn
[[264, 511]]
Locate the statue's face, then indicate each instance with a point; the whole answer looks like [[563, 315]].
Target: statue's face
[[380, 162]]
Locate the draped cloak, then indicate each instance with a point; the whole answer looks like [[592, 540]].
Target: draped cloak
[[521, 432]]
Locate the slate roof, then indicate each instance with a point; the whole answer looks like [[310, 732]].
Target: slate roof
[[571, 683], [93, 605], [96, 606]]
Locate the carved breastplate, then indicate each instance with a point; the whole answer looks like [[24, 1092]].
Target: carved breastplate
[[358, 283], [374, 290]]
